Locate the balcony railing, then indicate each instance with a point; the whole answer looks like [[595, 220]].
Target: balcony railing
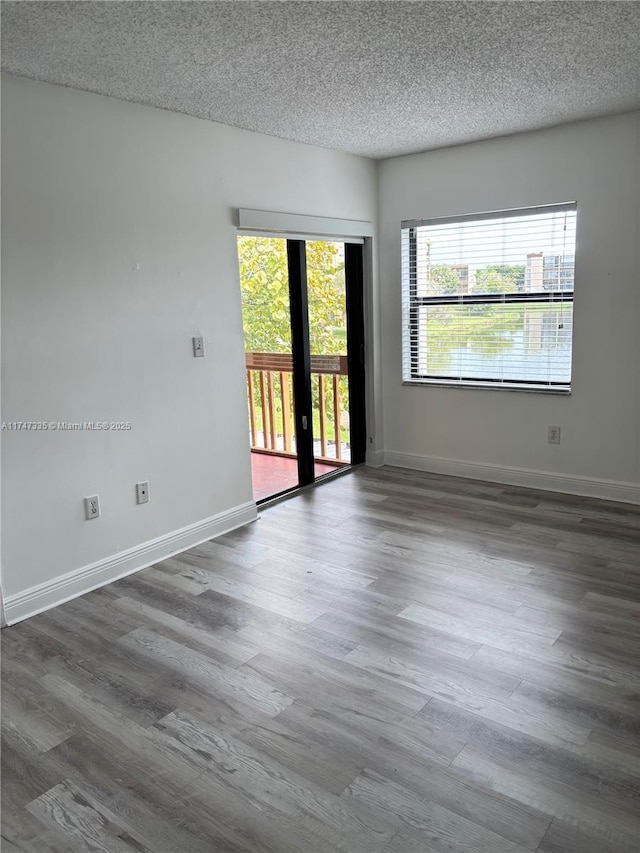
[[270, 396]]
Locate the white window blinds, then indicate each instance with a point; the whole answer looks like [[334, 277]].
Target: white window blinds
[[487, 299]]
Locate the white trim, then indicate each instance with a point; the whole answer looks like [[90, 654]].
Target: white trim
[[511, 213], [375, 458], [80, 581], [469, 384], [300, 224], [290, 235], [3, 615], [570, 484]]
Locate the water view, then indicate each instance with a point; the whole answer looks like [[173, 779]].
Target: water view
[[497, 342]]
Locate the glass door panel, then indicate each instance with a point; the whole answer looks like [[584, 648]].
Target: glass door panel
[[326, 289], [264, 282]]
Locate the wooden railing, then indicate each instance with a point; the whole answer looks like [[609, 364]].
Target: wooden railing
[[270, 395]]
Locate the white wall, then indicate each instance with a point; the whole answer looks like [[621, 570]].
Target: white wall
[[595, 163], [119, 245]]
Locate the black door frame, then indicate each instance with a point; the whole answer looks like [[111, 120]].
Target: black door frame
[[354, 282], [301, 353]]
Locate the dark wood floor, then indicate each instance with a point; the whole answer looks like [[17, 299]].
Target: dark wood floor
[[392, 663]]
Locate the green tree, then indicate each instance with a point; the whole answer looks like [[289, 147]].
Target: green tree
[[442, 280], [265, 308], [265, 296], [499, 278]]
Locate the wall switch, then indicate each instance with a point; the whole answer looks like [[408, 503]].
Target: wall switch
[[554, 435], [198, 347], [142, 493], [92, 507]]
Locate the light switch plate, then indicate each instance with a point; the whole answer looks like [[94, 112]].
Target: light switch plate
[[198, 347]]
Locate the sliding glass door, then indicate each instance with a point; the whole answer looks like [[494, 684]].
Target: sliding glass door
[[266, 315], [302, 315]]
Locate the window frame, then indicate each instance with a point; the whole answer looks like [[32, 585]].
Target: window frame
[[411, 323]]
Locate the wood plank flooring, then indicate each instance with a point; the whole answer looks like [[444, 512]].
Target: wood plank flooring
[[394, 662]]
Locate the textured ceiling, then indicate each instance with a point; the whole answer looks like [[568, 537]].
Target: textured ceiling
[[378, 79]]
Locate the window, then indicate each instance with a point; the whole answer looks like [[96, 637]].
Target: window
[[487, 299]]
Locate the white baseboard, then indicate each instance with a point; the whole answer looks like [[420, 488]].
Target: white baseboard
[[80, 581], [549, 481], [375, 458]]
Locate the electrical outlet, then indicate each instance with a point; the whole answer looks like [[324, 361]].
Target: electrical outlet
[[92, 507], [198, 347], [554, 435], [142, 493]]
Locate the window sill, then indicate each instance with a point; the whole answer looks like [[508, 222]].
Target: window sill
[[564, 391]]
